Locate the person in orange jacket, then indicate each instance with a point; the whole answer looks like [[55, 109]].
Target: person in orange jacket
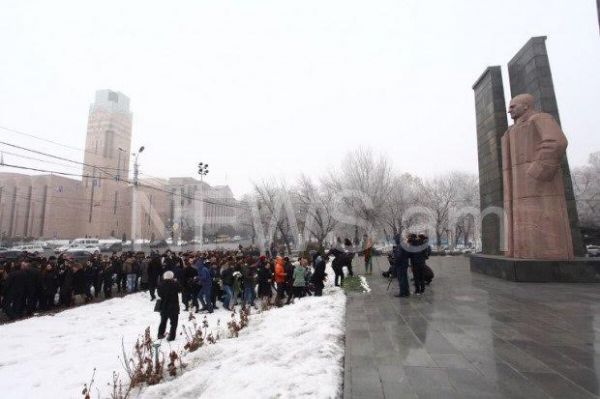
[[280, 279]]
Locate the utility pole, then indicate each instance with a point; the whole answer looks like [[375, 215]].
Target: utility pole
[[134, 202], [92, 195], [202, 171]]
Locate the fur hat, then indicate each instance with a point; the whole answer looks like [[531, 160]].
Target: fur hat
[[168, 275]]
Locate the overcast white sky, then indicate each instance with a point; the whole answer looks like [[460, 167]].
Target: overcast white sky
[[275, 88]]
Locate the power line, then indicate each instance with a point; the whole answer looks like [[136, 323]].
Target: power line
[[58, 157], [39, 160], [42, 139], [174, 192]]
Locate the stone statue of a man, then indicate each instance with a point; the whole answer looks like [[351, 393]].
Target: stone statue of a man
[[537, 223]]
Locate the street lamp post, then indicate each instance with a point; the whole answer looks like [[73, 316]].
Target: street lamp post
[[202, 171], [134, 202]]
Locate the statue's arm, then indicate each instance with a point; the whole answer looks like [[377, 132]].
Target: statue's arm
[[550, 149]]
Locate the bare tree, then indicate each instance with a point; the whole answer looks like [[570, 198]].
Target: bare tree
[[362, 186], [276, 211], [466, 207], [402, 195], [586, 184], [438, 195], [245, 219], [315, 209]]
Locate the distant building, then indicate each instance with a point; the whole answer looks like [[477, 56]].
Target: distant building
[[100, 205], [107, 152]]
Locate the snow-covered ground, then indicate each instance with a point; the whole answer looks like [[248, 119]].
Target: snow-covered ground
[[294, 351]]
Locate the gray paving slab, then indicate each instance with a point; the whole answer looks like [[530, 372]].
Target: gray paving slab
[[472, 336]]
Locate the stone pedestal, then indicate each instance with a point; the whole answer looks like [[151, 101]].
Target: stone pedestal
[[579, 270]]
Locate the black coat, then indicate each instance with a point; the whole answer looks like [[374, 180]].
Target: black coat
[[227, 276], [154, 271], [16, 284], [168, 291], [319, 274], [190, 281], [79, 282], [50, 281], [33, 281], [339, 261], [401, 257], [107, 276]]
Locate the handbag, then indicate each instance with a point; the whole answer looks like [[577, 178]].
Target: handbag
[[157, 305]]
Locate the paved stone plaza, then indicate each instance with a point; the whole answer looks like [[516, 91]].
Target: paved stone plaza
[[472, 336]]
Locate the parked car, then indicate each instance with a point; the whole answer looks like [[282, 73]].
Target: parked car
[[112, 247], [29, 248], [77, 255], [80, 243], [158, 244], [593, 251], [10, 255]]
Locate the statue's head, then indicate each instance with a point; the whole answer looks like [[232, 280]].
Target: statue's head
[[520, 105]]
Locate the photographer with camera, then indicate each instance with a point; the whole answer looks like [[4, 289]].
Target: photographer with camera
[[419, 252], [400, 258]]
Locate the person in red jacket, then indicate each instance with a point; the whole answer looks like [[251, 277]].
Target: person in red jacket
[[280, 278]]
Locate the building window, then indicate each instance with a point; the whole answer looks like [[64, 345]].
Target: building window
[[112, 96], [109, 137]]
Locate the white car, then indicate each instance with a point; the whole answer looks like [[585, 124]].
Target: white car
[[87, 248], [593, 251], [80, 243], [29, 248]]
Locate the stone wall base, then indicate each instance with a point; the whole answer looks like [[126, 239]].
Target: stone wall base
[[579, 270]]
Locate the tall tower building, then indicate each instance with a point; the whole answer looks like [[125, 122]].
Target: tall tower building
[[106, 170]]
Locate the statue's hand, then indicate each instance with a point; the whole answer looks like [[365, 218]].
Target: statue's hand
[[542, 170]]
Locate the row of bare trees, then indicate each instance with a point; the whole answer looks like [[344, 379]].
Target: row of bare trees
[[363, 196], [586, 184]]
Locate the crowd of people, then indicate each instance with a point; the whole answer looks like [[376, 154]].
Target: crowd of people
[[206, 278], [34, 283]]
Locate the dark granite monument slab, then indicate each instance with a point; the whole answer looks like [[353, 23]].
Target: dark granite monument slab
[[490, 112]]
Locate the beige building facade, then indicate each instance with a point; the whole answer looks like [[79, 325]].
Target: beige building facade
[[105, 203]]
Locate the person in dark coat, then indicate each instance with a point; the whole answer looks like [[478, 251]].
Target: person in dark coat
[[249, 282], [33, 285], [107, 278], [205, 278], [400, 259], [337, 265], [154, 271], [168, 291], [16, 292], [117, 265], [79, 281], [265, 280], [49, 284], [66, 285], [348, 256], [190, 287], [319, 275], [418, 254], [227, 280], [97, 274]]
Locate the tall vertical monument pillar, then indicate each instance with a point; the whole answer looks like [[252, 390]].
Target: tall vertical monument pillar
[[490, 113]]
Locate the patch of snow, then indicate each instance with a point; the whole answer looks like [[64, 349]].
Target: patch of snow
[[294, 351], [365, 284], [291, 352]]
